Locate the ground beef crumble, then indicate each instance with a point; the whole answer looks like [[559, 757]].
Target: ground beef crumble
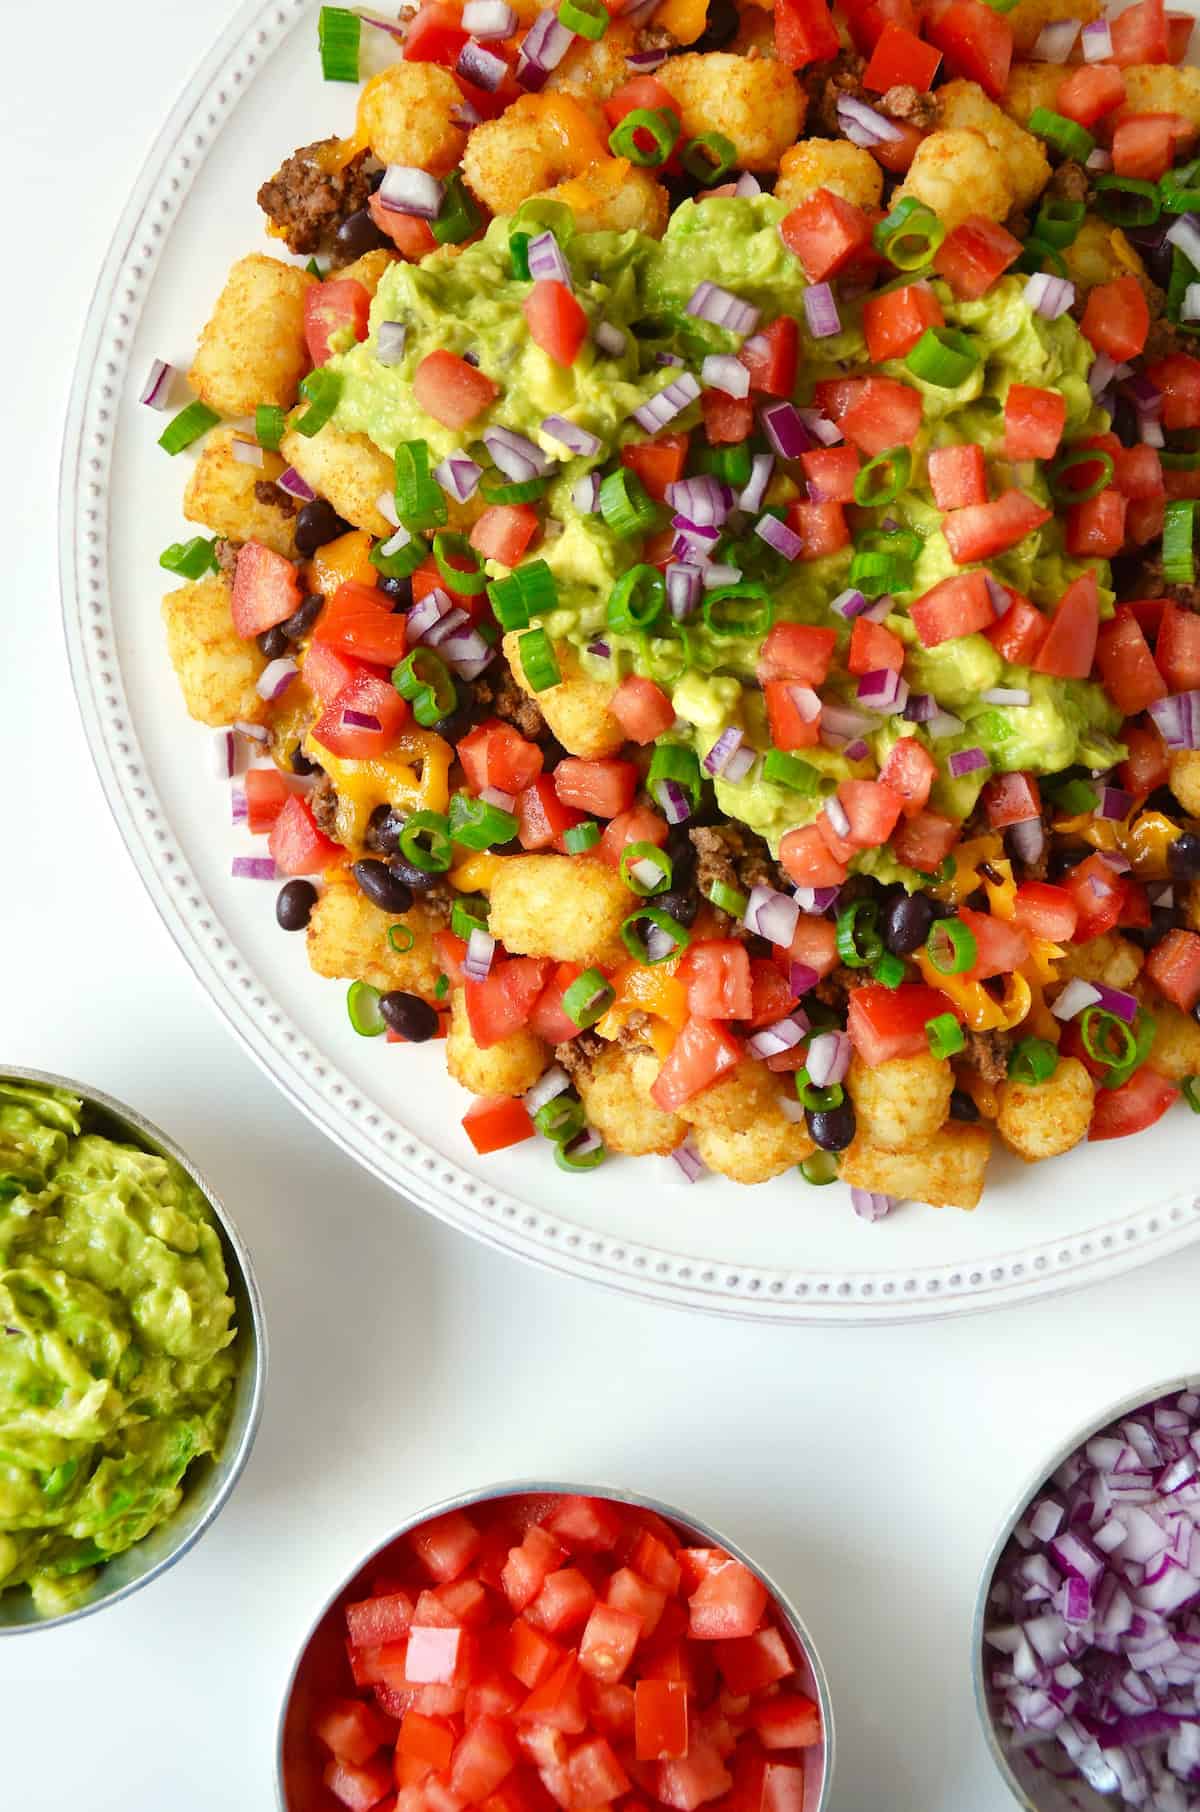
[[271, 494], [1149, 583], [323, 804], [225, 554], [1069, 182], [501, 695], [576, 1055], [987, 1053], [825, 83], [308, 203], [903, 102], [734, 856]]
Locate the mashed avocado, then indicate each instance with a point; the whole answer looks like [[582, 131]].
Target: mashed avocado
[[469, 301], [116, 1325]]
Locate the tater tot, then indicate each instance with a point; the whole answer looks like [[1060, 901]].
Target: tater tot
[[221, 496], [567, 907], [901, 1102], [829, 163], [593, 69], [622, 1113], [537, 143], [1163, 88], [1043, 1119], [1107, 958], [348, 469], [507, 1067], [615, 196], [755, 102], [1098, 254], [1176, 1048], [1026, 166], [957, 174], [369, 269], [252, 349], [1184, 779], [407, 115], [348, 941], [738, 1100], [1031, 85], [947, 1172], [757, 1153], [217, 669], [577, 708]]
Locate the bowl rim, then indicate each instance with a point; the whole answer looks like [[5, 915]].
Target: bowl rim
[[255, 1358], [1125, 1405], [620, 1494]]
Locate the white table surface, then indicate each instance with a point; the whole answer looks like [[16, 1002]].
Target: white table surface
[[866, 1468]]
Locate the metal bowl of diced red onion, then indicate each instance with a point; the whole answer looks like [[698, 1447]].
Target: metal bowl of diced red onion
[[1086, 1638]]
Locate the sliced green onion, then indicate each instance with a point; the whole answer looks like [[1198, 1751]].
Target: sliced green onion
[[191, 559], [632, 854], [888, 969], [1172, 460], [1033, 1060], [709, 158], [637, 599], [508, 603], [525, 490], [588, 998], [362, 1004], [672, 761], [858, 939], [1058, 221], [338, 34], [562, 1117], [1067, 136], [321, 390], [635, 942], [879, 575], [269, 425], [518, 251], [1106, 1038], [458, 216], [910, 235], [1144, 1028], [1183, 275], [789, 770], [578, 838], [478, 824], [1074, 797], [441, 987], [468, 581], [539, 663], [903, 543], [1180, 188], [1127, 201], [744, 609], [818, 1100], [624, 504], [587, 18], [182, 429], [469, 913], [401, 939], [819, 1168], [1189, 1088], [942, 356], [727, 899], [883, 478], [1074, 460], [425, 842], [566, 1159], [402, 562], [425, 680], [951, 947], [732, 464], [420, 499], [945, 1035], [1040, 254], [662, 123], [1179, 529]]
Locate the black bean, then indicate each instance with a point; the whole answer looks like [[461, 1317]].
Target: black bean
[[294, 903], [273, 643], [552, 750], [383, 829], [682, 907], [409, 1015], [302, 620], [1062, 861], [358, 234], [682, 851], [1162, 920], [382, 885], [456, 723], [1183, 857], [300, 762], [398, 590], [417, 880], [721, 27], [962, 1107], [832, 1129], [317, 523], [906, 923]]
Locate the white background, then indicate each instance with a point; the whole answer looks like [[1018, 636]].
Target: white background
[[866, 1468]]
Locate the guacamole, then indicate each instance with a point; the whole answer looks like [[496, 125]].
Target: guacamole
[[470, 302], [116, 1329]]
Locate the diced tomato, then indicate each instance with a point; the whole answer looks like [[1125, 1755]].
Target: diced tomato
[[386, 1617], [793, 720], [1145, 766], [1144, 520], [530, 1656], [373, 698], [358, 621], [563, 1603], [909, 772], [772, 357], [896, 154], [436, 1656], [558, 1700], [825, 233], [463, 1601], [1033, 421], [694, 1779], [494, 754], [957, 476], [1145, 145], [884, 414], [1139, 35], [1018, 634], [1000, 945], [358, 1788], [716, 973], [830, 473], [804, 33], [1179, 36], [729, 1602], [556, 320], [1011, 799], [797, 651], [771, 996], [750, 1663], [352, 1729], [486, 1754], [640, 92], [451, 953], [923, 842], [661, 1720], [504, 532], [1137, 473], [446, 1545], [1177, 649], [501, 1004], [339, 306], [807, 859], [1174, 968], [542, 818], [1117, 318], [1046, 911], [872, 646], [607, 1645], [657, 463], [326, 672], [1178, 377], [412, 237], [1126, 665], [297, 845], [642, 709], [548, 1018], [1133, 1106], [585, 1525], [872, 809], [976, 42], [702, 1052], [890, 1022], [529, 1565], [983, 530], [974, 255], [1070, 645], [728, 420], [266, 795], [900, 58], [814, 944], [435, 35], [867, 18], [266, 590], [822, 528], [452, 391], [596, 1776], [954, 607], [423, 1747], [600, 788], [894, 320], [1099, 896], [639, 825], [1086, 94], [788, 1721]]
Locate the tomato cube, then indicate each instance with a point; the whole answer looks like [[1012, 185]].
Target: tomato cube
[[749, 1663], [1174, 968], [728, 1602], [957, 606], [661, 1720], [607, 1645], [1134, 1106], [266, 590], [374, 1621], [1069, 647], [563, 1602], [446, 1545], [297, 844], [694, 1779], [890, 1022], [556, 319], [599, 788], [596, 1776], [526, 1570], [427, 1742], [657, 463], [783, 1787], [352, 1729], [494, 1122], [895, 319], [642, 709], [772, 355], [825, 233], [808, 860], [629, 1593], [454, 392], [974, 255], [358, 1788], [976, 42], [703, 1051], [504, 531], [558, 1700], [957, 476], [1034, 420], [530, 1655], [656, 1562], [486, 1754], [586, 1525]]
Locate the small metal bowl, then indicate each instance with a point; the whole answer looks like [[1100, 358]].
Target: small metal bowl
[[1024, 1771], [208, 1482], [320, 1667]]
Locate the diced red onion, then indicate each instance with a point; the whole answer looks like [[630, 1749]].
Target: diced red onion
[[1115, 803], [1053, 43], [1077, 995], [772, 914], [408, 190], [721, 371], [643, 61], [858, 750], [676, 805], [1150, 431], [543, 48], [702, 503], [1178, 719], [828, 1059], [1185, 233], [849, 604], [550, 1083], [585, 494], [667, 358], [1099, 159], [427, 613], [458, 476], [666, 404], [389, 342], [1116, 1000], [778, 535], [247, 452], [223, 754], [482, 66], [821, 311], [879, 689], [864, 126], [547, 262], [239, 807], [481, 948], [156, 391], [943, 725], [805, 701], [835, 811], [1014, 696], [360, 720], [1101, 374], [252, 868], [600, 650], [516, 455], [1097, 45], [773, 1040], [695, 546], [466, 651], [816, 900], [761, 467], [802, 977], [1190, 310], [820, 428], [709, 302], [572, 436], [276, 677], [489, 19], [659, 943], [609, 339], [295, 486], [684, 585], [467, 114], [395, 544], [253, 732], [1049, 296], [727, 742], [395, 28], [845, 721], [738, 767], [966, 761], [747, 185], [1116, 859], [690, 1163], [493, 795], [869, 1206], [784, 428]]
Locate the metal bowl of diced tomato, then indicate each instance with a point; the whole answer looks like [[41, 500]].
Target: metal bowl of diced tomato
[[549, 1648]]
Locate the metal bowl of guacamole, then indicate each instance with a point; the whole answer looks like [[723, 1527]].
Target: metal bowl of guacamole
[[132, 1352]]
